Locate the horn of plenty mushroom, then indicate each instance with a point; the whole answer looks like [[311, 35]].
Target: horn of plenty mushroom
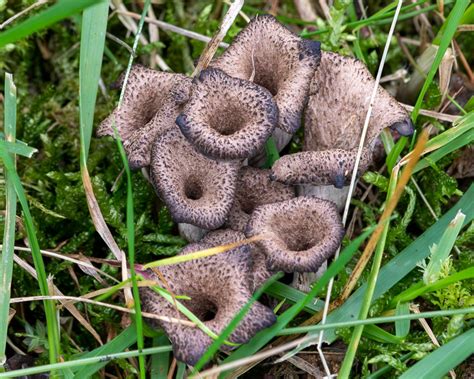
[[197, 190], [217, 288], [268, 54], [254, 188], [227, 118], [305, 231], [151, 103], [334, 119]]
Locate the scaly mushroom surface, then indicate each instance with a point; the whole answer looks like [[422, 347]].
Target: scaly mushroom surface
[[151, 103], [303, 232], [258, 273], [334, 118], [197, 190], [254, 188], [218, 288], [227, 118], [268, 54]]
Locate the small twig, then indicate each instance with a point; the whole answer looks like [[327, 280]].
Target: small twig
[[430, 333], [99, 303], [437, 115], [213, 44], [119, 41], [66, 258], [466, 28], [22, 13], [70, 307], [172, 28]]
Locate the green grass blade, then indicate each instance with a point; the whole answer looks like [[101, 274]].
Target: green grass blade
[[392, 157], [17, 148], [374, 320], [120, 343], [15, 182], [450, 27], [50, 16], [6, 266], [160, 362], [102, 359], [440, 251], [443, 359], [271, 152], [378, 334], [181, 370], [402, 328], [94, 26], [283, 291]]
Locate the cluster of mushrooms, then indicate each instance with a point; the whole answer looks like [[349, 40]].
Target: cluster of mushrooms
[[201, 142]]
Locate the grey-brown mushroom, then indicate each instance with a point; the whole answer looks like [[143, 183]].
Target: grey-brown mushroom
[[254, 188], [258, 273], [226, 117], [303, 232], [151, 103], [334, 118], [197, 190], [270, 55], [218, 288]]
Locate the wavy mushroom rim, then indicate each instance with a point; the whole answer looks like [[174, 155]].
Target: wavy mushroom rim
[[197, 190], [272, 56], [215, 302], [328, 167], [305, 232], [227, 118], [338, 104]]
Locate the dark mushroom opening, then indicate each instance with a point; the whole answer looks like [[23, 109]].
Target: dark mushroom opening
[[227, 118], [196, 189], [304, 232], [218, 287], [270, 55]]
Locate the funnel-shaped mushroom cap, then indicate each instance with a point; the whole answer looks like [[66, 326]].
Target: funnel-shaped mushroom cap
[[304, 232], [254, 188], [227, 118], [334, 119], [259, 272], [218, 288], [338, 103], [270, 55], [150, 106], [196, 189]]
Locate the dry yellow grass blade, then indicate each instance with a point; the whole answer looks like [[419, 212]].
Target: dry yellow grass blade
[[202, 253], [101, 304]]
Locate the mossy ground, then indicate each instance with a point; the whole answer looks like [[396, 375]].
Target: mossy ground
[[45, 68]]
